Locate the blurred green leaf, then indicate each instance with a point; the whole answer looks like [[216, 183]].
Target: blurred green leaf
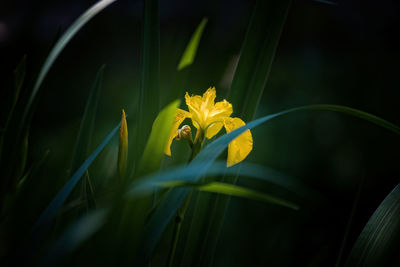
[[191, 49], [245, 170], [59, 46], [187, 59], [83, 141], [203, 161], [51, 210], [149, 102], [326, 2], [75, 235], [32, 172], [23, 157], [19, 78], [379, 241], [158, 139], [256, 56], [231, 190]]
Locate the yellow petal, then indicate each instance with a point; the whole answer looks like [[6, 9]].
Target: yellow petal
[[194, 105], [213, 129], [208, 99], [180, 116], [220, 111], [241, 146]]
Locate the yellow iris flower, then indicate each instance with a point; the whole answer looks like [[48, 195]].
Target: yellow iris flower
[[209, 117]]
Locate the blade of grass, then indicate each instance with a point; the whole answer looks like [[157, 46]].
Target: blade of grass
[[199, 166], [43, 223], [186, 61], [83, 141], [55, 52], [191, 49], [158, 139], [247, 171], [7, 184], [231, 190], [349, 223], [59, 46], [251, 76], [74, 236], [19, 78], [256, 56], [150, 77], [378, 242]]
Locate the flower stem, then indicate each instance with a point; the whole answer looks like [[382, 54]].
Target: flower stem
[[180, 215]]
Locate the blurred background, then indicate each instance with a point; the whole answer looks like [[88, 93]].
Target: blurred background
[[346, 54]]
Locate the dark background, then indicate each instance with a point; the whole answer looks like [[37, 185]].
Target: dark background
[[343, 54]]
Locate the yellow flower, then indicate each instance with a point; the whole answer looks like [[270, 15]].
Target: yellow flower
[[209, 117]]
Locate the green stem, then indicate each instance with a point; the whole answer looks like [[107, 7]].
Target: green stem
[[180, 215]]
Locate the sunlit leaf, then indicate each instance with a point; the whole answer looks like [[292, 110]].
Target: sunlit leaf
[[158, 139], [232, 190], [191, 49]]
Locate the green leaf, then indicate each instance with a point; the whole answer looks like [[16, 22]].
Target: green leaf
[[232, 190], [182, 174], [59, 46], [85, 133], [256, 56], [326, 2], [379, 241], [149, 102], [23, 157], [76, 234], [199, 166], [54, 206], [19, 78], [191, 49], [158, 139], [187, 59], [252, 73]]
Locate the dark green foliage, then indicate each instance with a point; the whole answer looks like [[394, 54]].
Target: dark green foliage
[[256, 56], [379, 241], [174, 211]]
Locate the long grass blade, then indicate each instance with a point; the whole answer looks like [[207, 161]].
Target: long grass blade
[[54, 206], [232, 190], [256, 56], [83, 141], [76, 234], [183, 173], [191, 49], [59, 46], [186, 61], [19, 78], [149, 102], [378, 242], [250, 78]]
